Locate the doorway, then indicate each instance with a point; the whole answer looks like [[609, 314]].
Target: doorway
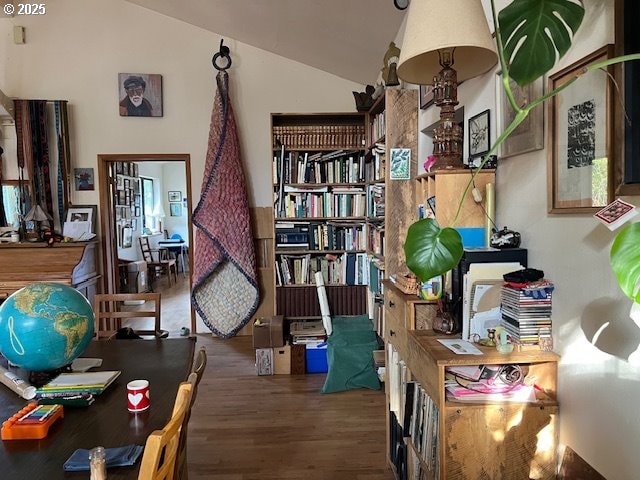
[[127, 216]]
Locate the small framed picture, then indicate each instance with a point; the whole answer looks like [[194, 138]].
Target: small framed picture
[[479, 138], [175, 209], [119, 182], [137, 212], [140, 95], [83, 213], [119, 167], [175, 196], [84, 178], [426, 96], [400, 164]]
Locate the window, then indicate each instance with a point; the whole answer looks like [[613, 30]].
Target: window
[[148, 204]]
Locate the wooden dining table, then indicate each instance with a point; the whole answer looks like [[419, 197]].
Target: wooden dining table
[[107, 422]]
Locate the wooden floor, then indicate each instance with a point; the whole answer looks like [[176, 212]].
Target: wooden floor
[[246, 427]]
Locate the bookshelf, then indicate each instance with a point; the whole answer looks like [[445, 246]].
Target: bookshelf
[[392, 123], [480, 439], [319, 219]]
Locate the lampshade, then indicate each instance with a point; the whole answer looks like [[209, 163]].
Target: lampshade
[[434, 25], [37, 214]]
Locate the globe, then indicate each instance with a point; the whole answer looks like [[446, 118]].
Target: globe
[[45, 326]]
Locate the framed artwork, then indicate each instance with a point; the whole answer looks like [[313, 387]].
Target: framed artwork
[[529, 136], [83, 213], [479, 135], [84, 178], [175, 209], [426, 96], [400, 164], [119, 182], [140, 95], [175, 196], [127, 235], [580, 163]]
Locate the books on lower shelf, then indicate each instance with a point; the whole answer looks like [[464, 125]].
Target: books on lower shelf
[[77, 383], [307, 332]]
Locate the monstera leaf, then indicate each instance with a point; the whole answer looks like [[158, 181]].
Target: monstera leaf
[[430, 250], [533, 31], [625, 260]]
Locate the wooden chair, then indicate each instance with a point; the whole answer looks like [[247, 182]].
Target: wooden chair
[[109, 314], [161, 448], [199, 366], [158, 261]]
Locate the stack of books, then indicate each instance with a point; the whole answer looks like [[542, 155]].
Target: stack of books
[[303, 333], [73, 384], [526, 311]]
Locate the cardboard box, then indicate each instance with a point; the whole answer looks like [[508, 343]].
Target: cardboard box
[[264, 361], [298, 364], [269, 333], [282, 360], [316, 357]]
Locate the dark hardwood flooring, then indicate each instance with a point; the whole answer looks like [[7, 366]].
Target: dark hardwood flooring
[[249, 427]]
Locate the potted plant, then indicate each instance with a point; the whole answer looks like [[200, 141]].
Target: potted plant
[[530, 36]]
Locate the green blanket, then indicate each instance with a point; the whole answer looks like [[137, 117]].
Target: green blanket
[[349, 355]]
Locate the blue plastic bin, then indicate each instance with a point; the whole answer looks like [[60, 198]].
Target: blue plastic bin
[[316, 358]]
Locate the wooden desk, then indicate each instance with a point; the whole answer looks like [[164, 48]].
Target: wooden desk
[[165, 363]]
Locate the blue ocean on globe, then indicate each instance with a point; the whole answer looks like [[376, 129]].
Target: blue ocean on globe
[[45, 326]]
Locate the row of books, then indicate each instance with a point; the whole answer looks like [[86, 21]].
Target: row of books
[[337, 203], [378, 126], [375, 165], [526, 311], [336, 167], [415, 411], [318, 136], [376, 238], [321, 236], [346, 269], [376, 200]]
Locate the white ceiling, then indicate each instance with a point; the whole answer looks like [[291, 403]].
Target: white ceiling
[[347, 38]]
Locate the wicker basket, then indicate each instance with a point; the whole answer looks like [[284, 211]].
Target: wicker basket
[[408, 283]]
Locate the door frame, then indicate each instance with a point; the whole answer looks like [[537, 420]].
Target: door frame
[[107, 214]]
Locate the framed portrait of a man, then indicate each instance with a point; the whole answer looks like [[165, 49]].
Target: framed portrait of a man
[[140, 94]]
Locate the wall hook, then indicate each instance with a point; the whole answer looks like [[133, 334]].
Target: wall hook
[[223, 52]]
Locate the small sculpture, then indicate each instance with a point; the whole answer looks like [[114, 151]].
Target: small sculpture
[[364, 100]]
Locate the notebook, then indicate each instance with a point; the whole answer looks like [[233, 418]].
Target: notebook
[[92, 382]]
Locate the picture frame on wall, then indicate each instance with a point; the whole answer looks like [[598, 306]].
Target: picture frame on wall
[[580, 161], [140, 94], [175, 195], [479, 134], [175, 209], [400, 164], [426, 96], [529, 136]]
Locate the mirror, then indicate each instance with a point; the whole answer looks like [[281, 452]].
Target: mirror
[[145, 197], [15, 204]]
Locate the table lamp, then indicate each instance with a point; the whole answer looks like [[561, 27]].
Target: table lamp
[[439, 34], [37, 215]]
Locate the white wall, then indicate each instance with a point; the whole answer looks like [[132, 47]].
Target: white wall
[[77, 49], [174, 179], [599, 381]]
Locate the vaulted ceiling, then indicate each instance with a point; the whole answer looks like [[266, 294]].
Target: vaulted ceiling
[[347, 38]]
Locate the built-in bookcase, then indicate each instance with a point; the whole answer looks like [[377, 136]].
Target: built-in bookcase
[[320, 209]]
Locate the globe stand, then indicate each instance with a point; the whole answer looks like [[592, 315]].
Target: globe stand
[[38, 379]]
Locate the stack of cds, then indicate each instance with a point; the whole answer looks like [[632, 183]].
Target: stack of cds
[[526, 311]]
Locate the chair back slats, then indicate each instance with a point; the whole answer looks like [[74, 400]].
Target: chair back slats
[[181, 472], [161, 448], [109, 313]]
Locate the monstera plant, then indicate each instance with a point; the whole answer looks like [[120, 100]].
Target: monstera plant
[[531, 35]]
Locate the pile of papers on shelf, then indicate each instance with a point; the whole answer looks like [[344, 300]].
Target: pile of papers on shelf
[[482, 384], [307, 332]]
